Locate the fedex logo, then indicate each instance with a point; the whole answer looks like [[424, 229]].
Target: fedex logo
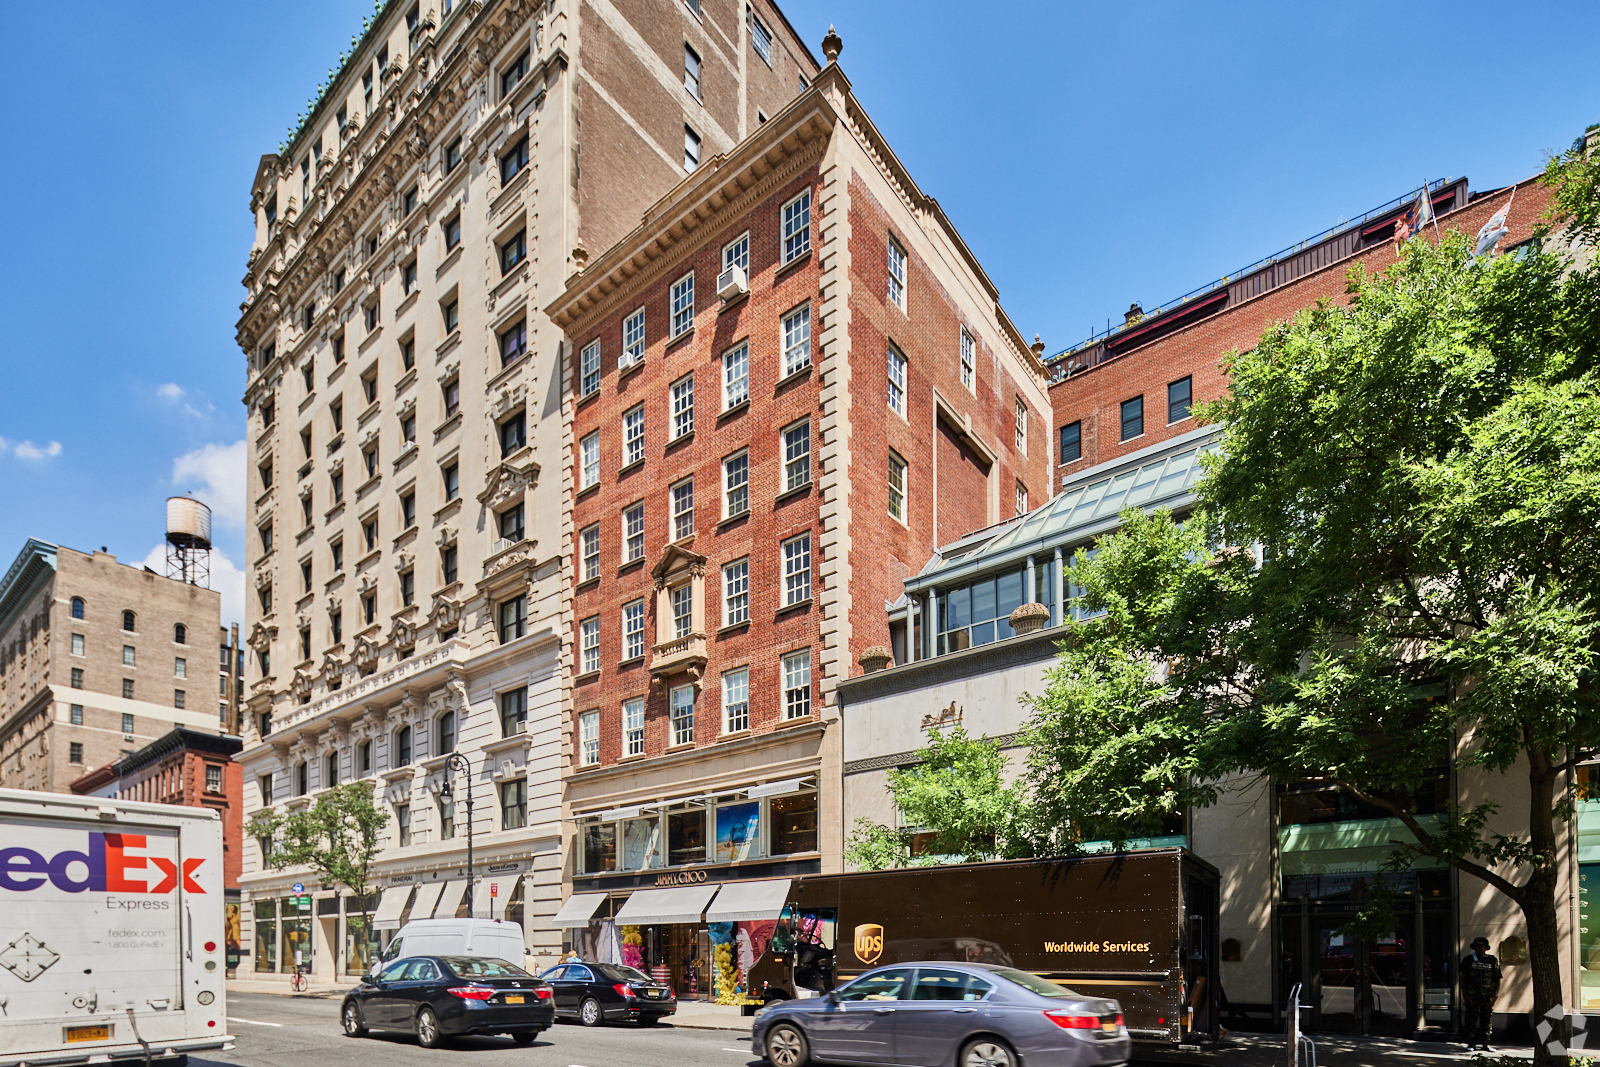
[[113, 864]]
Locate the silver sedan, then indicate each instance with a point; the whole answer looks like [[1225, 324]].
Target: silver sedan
[[945, 1015]]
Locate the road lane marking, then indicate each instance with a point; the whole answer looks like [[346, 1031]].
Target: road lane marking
[[251, 1022], [740, 1051]]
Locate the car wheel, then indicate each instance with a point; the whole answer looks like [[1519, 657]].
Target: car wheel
[[986, 1052], [428, 1033], [649, 1020], [525, 1038], [351, 1017], [786, 1047], [589, 1013]]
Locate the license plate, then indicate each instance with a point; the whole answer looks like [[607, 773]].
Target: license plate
[[514, 998], [88, 1033], [1109, 1028], [652, 992]]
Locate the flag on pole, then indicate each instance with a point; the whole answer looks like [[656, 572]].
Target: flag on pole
[[1424, 211], [1492, 232], [1417, 216]]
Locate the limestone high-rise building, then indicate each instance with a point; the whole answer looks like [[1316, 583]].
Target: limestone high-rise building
[[410, 587]]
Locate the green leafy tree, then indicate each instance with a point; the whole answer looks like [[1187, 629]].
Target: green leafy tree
[[1422, 466], [956, 793]]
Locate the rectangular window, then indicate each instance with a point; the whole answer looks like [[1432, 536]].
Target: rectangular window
[[897, 487], [447, 564], [683, 407], [797, 340], [127, 718], [897, 274], [683, 509], [797, 570], [452, 396], [77, 644], [633, 533], [691, 71], [1132, 418], [513, 711], [452, 233], [589, 739], [589, 369], [408, 282], [514, 343], [74, 752], [511, 528], [513, 618], [408, 511], [452, 155], [127, 655], [1022, 426], [681, 707], [633, 630], [736, 701], [897, 383], [761, 39], [514, 804], [213, 778], [589, 644], [797, 227], [691, 149], [633, 726], [968, 358], [408, 202], [402, 822], [633, 436], [736, 485], [180, 667], [1022, 499], [1072, 442], [682, 599], [513, 252], [452, 481], [682, 304], [735, 377], [736, 592], [736, 253], [77, 714], [589, 449], [178, 697], [512, 76], [1180, 394], [633, 339], [408, 588], [447, 818], [797, 684], [589, 551], [452, 316], [797, 456], [513, 433]]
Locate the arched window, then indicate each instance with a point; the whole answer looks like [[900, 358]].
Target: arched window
[[447, 733], [402, 747], [77, 607], [301, 787], [332, 769], [180, 634], [128, 621]]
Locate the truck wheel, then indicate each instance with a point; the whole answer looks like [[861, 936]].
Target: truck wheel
[[986, 1052], [589, 1012], [351, 1017], [786, 1047], [428, 1033]]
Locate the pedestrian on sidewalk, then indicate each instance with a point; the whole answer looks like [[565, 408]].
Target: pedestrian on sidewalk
[[1480, 985]]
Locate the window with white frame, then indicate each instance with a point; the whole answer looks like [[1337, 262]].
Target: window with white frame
[[681, 710], [897, 382], [633, 629], [589, 643], [797, 684], [682, 304], [736, 253], [691, 149], [683, 509], [691, 71], [797, 227], [1022, 499], [633, 339], [897, 487], [797, 455], [736, 485], [683, 406], [736, 592], [761, 39], [589, 551], [633, 727], [1022, 426], [968, 358], [633, 436], [897, 274], [735, 376], [589, 447], [682, 599], [797, 570], [589, 738], [589, 369], [797, 340], [633, 533], [736, 701]]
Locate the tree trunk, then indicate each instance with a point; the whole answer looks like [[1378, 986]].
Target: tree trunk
[[1539, 906]]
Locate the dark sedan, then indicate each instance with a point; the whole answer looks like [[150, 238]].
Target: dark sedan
[[594, 993], [945, 1015], [438, 997]]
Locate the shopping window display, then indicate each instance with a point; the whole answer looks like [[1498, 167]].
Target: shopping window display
[[727, 829]]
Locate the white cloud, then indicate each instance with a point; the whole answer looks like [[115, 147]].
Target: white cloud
[[174, 394], [29, 450], [171, 391], [226, 578], [215, 474]]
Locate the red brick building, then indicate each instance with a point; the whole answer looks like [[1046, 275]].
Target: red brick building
[[790, 384]]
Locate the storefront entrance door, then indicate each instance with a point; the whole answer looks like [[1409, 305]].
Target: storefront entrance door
[[1363, 983]]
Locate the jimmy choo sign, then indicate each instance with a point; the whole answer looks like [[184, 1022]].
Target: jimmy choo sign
[[681, 878]]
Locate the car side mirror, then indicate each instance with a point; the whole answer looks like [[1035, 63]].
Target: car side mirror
[[834, 997]]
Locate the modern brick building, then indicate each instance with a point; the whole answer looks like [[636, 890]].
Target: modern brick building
[[792, 381]]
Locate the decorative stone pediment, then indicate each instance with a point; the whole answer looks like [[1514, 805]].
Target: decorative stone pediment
[[369, 582], [300, 685], [677, 558], [403, 632], [261, 637], [507, 481], [335, 602], [366, 655], [507, 398], [403, 560], [449, 370], [336, 465], [263, 577], [447, 536], [407, 406], [333, 662], [446, 612], [369, 438], [522, 555]]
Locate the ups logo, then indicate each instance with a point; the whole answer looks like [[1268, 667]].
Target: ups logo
[[869, 943]]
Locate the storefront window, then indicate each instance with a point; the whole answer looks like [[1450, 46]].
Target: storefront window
[[794, 824], [738, 831], [979, 613], [514, 904], [361, 942], [641, 844], [599, 847], [296, 935], [686, 836], [266, 936]]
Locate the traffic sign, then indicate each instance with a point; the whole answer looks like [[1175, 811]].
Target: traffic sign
[[298, 888], [494, 889]]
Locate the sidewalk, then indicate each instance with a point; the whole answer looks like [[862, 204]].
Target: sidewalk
[[1334, 1050], [315, 989]]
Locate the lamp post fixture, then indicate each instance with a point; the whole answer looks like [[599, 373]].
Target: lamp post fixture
[[458, 762]]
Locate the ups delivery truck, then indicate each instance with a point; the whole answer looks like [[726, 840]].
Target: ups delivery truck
[[1138, 927]]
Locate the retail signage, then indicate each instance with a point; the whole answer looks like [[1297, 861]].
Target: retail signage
[[711, 872], [681, 878], [505, 868]]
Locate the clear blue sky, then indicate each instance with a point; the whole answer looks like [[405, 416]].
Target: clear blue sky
[[1091, 154]]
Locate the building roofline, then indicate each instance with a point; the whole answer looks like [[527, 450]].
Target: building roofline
[[181, 738], [30, 567]]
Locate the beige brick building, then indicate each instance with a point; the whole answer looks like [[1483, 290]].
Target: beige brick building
[[97, 659], [409, 593]]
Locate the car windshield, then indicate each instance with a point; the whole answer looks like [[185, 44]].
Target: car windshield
[[1034, 984], [483, 967], [618, 973]]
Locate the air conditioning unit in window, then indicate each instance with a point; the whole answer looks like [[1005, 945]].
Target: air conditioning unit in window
[[522, 727], [497, 547], [732, 282]]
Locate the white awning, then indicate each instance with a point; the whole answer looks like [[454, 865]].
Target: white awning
[[749, 901], [427, 897], [390, 905], [678, 904], [578, 909], [449, 900], [483, 907]]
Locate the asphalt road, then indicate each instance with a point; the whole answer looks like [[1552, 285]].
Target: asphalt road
[[277, 1030]]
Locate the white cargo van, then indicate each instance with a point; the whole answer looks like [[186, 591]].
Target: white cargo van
[[456, 937], [112, 945]]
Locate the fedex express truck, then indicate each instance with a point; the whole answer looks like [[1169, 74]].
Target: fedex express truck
[[111, 930]]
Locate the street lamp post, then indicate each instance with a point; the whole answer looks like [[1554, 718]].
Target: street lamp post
[[458, 762]]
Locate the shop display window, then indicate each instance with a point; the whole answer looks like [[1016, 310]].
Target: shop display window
[[599, 847], [794, 824], [266, 955], [738, 831], [686, 836], [641, 844]]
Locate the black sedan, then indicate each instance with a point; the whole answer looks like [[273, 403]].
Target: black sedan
[[437, 997], [594, 993]]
